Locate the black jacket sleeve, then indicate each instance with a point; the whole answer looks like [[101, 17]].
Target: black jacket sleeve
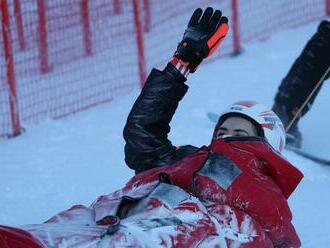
[[147, 145], [306, 71]]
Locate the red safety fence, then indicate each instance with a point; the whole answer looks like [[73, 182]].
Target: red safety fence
[[58, 57]]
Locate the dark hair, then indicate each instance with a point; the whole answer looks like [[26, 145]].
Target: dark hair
[[260, 131]]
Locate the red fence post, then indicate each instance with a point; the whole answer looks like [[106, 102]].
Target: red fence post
[[19, 24], [139, 42], [43, 43], [8, 52], [116, 7], [327, 7], [147, 15], [235, 27], [87, 35]]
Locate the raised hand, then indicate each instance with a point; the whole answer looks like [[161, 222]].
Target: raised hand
[[204, 34]]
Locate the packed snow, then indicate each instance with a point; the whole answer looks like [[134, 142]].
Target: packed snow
[[57, 164]]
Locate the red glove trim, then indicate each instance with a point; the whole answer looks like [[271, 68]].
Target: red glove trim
[[214, 42], [181, 66]]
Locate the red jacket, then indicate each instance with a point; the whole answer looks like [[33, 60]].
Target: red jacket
[[246, 175]]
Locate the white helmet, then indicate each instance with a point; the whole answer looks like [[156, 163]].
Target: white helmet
[[266, 121]]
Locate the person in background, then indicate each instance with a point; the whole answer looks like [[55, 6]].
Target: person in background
[[300, 81]]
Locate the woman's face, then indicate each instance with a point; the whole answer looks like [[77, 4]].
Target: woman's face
[[235, 126]]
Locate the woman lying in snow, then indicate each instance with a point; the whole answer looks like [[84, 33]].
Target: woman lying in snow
[[231, 193]]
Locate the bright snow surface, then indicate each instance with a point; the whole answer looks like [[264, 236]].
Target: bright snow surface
[[70, 161]]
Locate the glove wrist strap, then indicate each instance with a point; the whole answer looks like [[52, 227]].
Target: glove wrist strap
[[181, 66]]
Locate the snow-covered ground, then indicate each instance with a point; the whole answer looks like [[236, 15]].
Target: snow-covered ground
[[60, 163]]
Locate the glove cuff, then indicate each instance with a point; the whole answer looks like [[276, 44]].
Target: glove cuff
[[181, 66]]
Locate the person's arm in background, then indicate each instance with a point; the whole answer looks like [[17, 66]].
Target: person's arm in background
[[146, 131]]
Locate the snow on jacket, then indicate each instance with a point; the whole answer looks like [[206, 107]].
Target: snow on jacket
[[244, 173], [248, 176], [152, 214]]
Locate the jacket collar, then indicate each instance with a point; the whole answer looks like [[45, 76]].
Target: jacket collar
[[286, 175]]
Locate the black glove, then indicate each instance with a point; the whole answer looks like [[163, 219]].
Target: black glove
[[203, 36]]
